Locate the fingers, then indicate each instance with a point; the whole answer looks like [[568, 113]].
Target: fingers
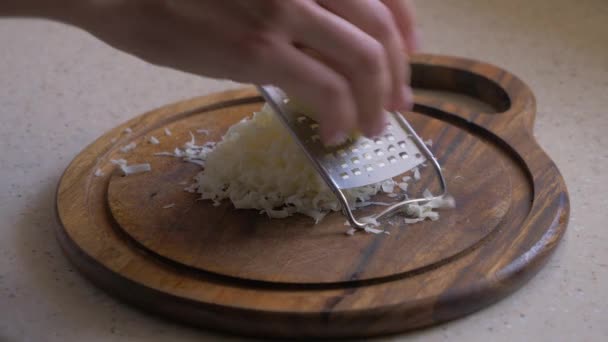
[[375, 19], [403, 12], [314, 83], [350, 63], [357, 56]]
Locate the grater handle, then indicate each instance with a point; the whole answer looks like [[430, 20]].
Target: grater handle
[[277, 100], [429, 156], [398, 206]]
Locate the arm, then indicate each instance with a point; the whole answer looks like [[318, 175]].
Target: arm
[[50, 9], [346, 59]]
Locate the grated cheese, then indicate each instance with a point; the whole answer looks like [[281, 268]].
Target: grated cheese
[[258, 165], [131, 169], [137, 168], [416, 173], [128, 147]]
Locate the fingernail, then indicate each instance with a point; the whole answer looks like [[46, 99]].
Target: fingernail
[[377, 127], [407, 98], [415, 40], [336, 139]]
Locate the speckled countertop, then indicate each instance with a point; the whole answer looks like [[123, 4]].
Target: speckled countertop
[[61, 88]]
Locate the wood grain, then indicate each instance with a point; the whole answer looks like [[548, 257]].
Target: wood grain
[[238, 271]]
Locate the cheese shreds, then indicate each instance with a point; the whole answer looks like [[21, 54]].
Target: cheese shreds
[[191, 153], [153, 140], [137, 168], [371, 230], [416, 173], [131, 169], [119, 162], [167, 132], [128, 130], [388, 186], [427, 194], [128, 147], [168, 206], [403, 186], [443, 202], [98, 173], [369, 220], [258, 165], [419, 212]]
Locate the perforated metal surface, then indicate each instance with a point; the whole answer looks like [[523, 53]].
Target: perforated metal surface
[[358, 162]]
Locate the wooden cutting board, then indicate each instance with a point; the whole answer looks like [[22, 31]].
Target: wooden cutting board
[[241, 272]]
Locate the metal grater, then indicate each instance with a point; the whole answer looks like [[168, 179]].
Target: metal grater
[[357, 162]]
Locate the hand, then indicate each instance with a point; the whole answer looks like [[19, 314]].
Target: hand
[[347, 59]]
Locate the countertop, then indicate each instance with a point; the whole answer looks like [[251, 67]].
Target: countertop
[[60, 88]]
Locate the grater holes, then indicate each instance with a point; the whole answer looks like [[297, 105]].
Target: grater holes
[[392, 159], [378, 141], [344, 165], [381, 164], [354, 149], [355, 160], [315, 138], [356, 172], [391, 148], [341, 153], [314, 126], [379, 152], [367, 156], [369, 168], [366, 145], [402, 144], [344, 175], [301, 119], [390, 137], [403, 155]]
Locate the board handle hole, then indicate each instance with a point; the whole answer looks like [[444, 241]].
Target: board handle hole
[[472, 91]]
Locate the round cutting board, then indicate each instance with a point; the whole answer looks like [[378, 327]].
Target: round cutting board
[[149, 242]]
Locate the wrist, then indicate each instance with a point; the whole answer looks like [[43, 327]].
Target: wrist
[[60, 10]]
